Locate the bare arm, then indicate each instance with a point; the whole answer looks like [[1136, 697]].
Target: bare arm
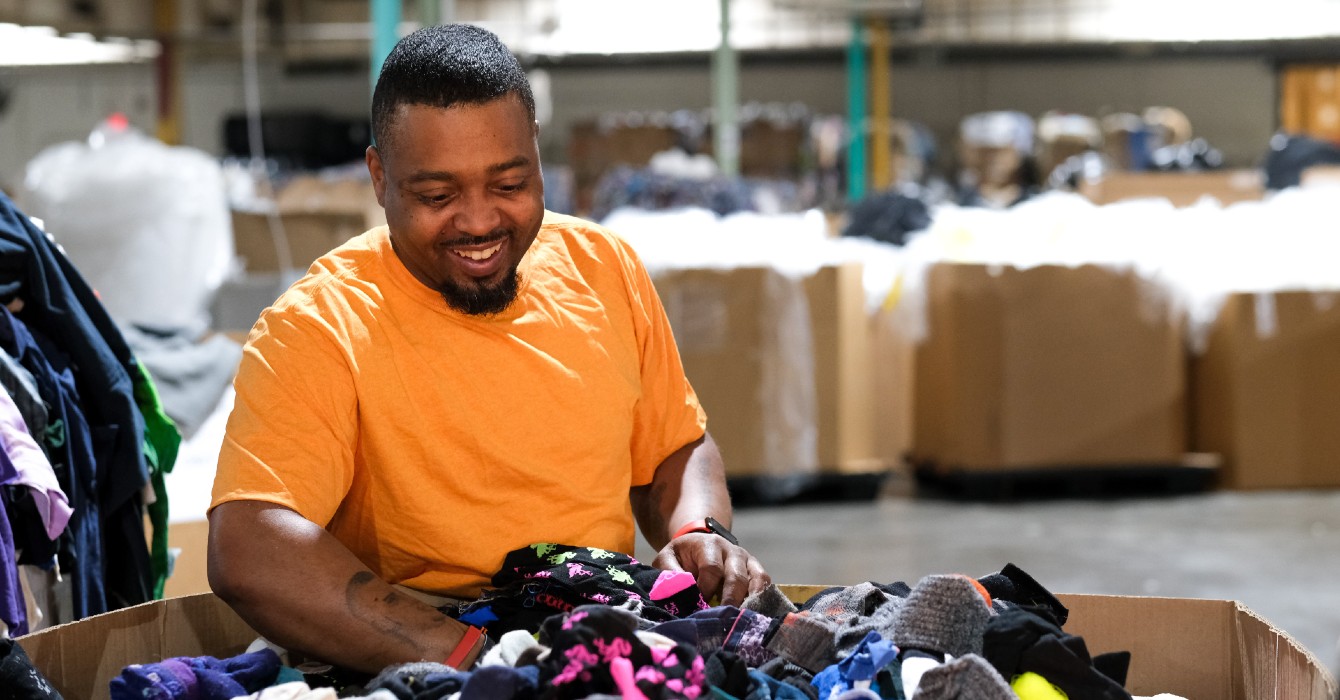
[[690, 485], [300, 588]]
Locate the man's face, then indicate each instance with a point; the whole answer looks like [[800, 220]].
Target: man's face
[[463, 197]]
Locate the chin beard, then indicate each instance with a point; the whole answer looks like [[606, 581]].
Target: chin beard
[[482, 299]]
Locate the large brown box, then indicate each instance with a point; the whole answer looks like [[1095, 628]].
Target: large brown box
[[1182, 189], [743, 337], [316, 216], [1193, 648], [1267, 391], [1049, 366], [781, 364]]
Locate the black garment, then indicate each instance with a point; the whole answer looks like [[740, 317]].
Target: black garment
[[59, 304], [1289, 156], [584, 646], [420, 681], [1018, 641], [70, 445], [19, 679], [1013, 585], [888, 217], [543, 580]]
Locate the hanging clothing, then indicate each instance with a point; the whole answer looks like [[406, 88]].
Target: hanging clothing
[[161, 442], [59, 304], [70, 446]]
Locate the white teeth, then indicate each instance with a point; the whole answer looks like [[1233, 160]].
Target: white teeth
[[479, 254]]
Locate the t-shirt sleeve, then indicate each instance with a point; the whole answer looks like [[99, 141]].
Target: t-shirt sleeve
[[668, 415], [291, 435]]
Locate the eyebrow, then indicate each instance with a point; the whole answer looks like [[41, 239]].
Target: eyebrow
[[447, 176]]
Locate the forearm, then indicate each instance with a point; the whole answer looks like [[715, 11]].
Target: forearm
[[689, 485], [302, 589]]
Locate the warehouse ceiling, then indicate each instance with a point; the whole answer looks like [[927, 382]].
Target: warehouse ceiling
[[339, 29]]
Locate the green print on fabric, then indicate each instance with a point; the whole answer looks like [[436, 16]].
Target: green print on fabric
[[55, 434], [598, 553], [619, 576], [561, 557], [542, 549]]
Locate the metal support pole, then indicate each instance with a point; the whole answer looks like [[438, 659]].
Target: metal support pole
[[725, 99], [385, 16], [881, 116], [856, 112]]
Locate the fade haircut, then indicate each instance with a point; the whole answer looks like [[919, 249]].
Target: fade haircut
[[443, 66]]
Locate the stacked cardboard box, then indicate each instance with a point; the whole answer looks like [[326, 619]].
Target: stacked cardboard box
[[1267, 390], [1047, 367], [784, 368]]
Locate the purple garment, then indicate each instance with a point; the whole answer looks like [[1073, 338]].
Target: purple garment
[[13, 612], [31, 468]]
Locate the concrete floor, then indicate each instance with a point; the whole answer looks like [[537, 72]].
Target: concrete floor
[[1277, 552]]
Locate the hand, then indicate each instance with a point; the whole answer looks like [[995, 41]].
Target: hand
[[720, 567]]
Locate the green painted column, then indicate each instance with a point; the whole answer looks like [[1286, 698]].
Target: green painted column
[[857, 84], [725, 99], [385, 33]]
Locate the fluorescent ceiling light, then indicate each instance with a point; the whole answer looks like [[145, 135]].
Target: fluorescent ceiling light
[[44, 46]]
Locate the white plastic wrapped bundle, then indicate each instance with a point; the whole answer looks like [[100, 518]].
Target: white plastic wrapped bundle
[[147, 225]]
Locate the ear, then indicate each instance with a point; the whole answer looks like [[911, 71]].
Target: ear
[[378, 173]]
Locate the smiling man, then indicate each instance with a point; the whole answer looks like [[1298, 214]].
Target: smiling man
[[475, 377]]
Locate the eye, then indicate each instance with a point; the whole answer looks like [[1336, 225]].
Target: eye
[[512, 187], [433, 200]]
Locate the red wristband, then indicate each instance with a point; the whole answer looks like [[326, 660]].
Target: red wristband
[[699, 525], [464, 647]]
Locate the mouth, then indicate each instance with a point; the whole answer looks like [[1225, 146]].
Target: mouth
[[479, 255], [479, 260]]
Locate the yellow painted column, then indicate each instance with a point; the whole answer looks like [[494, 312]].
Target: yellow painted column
[[168, 68], [881, 170]]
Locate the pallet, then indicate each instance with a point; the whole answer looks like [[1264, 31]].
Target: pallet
[[1063, 482], [748, 491]]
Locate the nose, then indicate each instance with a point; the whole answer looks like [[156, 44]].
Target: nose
[[476, 215]]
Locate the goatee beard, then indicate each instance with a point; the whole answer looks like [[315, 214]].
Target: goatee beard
[[481, 299]]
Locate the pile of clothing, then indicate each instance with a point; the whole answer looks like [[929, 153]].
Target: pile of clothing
[[576, 622]]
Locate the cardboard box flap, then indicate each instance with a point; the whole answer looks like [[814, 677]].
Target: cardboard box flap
[[81, 658], [1197, 648]]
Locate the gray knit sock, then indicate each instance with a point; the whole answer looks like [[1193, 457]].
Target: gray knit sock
[[770, 601], [968, 677], [944, 614], [804, 640]]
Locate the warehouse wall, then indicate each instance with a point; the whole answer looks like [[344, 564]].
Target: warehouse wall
[[50, 104], [1230, 101]]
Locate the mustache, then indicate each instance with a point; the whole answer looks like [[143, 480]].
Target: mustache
[[490, 237]]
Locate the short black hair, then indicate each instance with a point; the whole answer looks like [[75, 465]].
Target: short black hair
[[446, 65]]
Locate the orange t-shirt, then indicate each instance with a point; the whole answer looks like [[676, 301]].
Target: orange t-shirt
[[430, 442]]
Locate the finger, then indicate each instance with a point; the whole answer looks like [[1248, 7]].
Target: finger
[[666, 560], [758, 577], [706, 565], [736, 584]]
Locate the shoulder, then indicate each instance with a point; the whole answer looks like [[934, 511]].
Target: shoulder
[[587, 241], [334, 296]]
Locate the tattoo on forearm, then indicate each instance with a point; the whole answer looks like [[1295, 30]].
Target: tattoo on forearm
[[359, 598]]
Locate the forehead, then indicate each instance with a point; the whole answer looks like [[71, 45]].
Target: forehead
[[490, 128]]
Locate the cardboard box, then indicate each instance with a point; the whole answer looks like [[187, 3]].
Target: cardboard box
[[1199, 649], [783, 366], [316, 216], [1050, 366], [842, 333], [1266, 391], [1182, 189], [743, 335]]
